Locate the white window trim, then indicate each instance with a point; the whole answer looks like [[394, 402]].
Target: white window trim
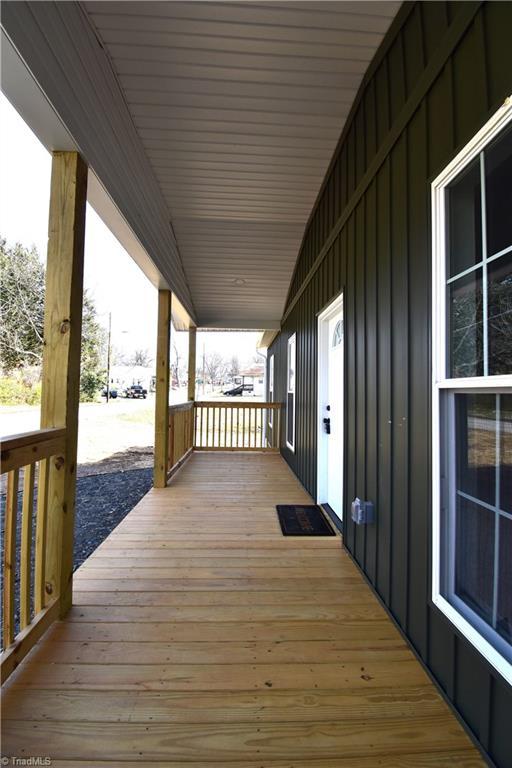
[[439, 381], [292, 340]]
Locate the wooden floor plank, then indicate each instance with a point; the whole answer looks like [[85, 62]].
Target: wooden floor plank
[[186, 631], [253, 652], [249, 583], [201, 637], [223, 677], [357, 594], [234, 741], [464, 758], [222, 544], [239, 613], [204, 707], [190, 572]]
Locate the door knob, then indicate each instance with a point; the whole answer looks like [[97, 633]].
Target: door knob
[[327, 425]]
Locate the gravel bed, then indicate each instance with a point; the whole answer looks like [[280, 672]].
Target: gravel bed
[[102, 501]]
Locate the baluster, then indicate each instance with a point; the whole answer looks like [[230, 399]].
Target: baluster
[[26, 544], [41, 526], [171, 438], [11, 512]]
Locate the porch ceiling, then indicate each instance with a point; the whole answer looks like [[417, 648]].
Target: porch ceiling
[[239, 107]]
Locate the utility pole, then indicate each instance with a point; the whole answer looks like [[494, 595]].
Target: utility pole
[[108, 355]]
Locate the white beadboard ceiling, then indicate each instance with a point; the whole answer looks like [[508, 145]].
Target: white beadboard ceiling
[[239, 107]]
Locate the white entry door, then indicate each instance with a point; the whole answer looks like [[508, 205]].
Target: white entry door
[[330, 407]]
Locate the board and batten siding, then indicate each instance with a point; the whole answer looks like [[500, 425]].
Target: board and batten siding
[[440, 73]]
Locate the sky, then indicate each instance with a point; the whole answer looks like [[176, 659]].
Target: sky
[[25, 167]]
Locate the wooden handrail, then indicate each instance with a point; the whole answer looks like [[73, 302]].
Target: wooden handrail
[[18, 451], [19, 456], [181, 407]]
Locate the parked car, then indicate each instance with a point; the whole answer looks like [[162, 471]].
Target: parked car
[[111, 393], [135, 391], [239, 390]]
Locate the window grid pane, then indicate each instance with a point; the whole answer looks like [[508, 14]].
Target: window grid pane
[[477, 529], [480, 281], [498, 185]]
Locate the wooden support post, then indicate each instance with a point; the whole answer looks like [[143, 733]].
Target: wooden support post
[[192, 335], [162, 389], [61, 363]]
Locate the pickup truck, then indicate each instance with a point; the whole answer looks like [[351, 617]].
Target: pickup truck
[[135, 390]]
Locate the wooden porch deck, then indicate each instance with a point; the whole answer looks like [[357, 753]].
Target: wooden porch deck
[[202, 637]]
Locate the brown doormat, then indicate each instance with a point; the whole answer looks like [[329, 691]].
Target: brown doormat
[[303, 520]]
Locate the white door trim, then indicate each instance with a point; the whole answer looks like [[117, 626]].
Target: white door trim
[[323, 352]]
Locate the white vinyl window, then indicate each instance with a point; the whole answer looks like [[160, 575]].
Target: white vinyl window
[[472, 391], [270, 388], [290, 394]]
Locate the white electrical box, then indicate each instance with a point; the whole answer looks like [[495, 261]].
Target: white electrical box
[[363, 512]]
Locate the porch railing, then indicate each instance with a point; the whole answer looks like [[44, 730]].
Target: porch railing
[[26, 458], [221, 426], [225, 426], [181, 434]]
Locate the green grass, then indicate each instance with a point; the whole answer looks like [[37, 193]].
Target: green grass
[[140, 416]]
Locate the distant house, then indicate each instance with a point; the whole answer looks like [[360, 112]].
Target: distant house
[[125, 375], [253, 376]]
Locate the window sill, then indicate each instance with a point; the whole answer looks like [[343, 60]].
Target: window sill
[[491, 655]]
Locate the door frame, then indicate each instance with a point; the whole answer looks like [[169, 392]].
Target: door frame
[[323, 336]]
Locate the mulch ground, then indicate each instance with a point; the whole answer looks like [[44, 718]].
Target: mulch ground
[[102, 501]]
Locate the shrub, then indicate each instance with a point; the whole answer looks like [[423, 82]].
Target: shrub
[[90, 385], [15, 391]]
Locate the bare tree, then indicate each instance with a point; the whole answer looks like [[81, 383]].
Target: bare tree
[[175, 366], [215, 368], [141, 357], [234, 367]]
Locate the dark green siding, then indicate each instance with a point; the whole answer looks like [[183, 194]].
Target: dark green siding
[[443, 69]]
